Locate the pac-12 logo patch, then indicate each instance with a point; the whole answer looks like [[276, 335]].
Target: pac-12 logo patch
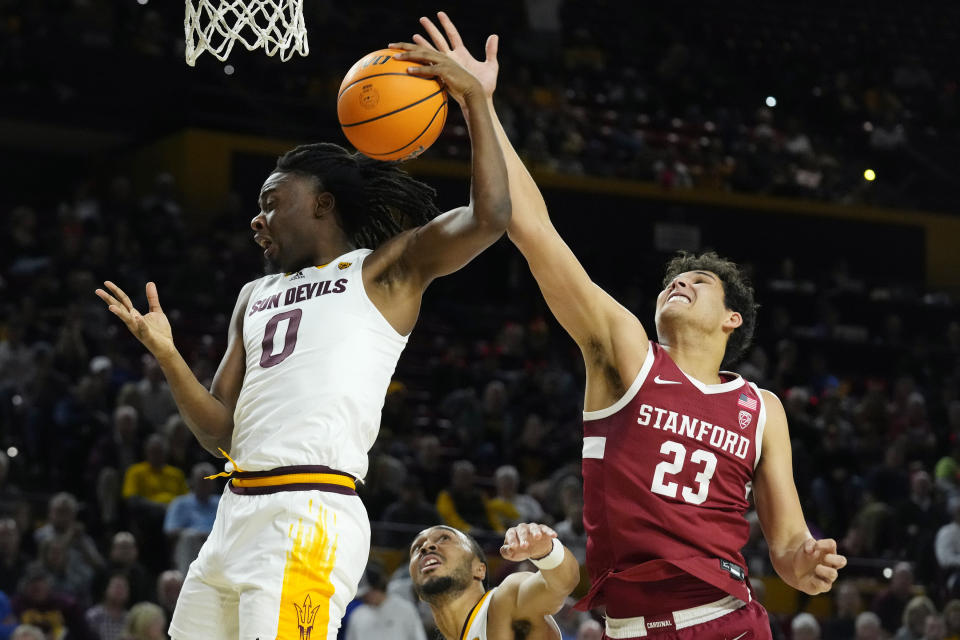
[[745, 418], [343, 265]]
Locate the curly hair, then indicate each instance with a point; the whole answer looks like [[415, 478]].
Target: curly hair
[[737, 295], [376, 200]]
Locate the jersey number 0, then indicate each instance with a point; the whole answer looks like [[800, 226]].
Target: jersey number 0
[[267, 357]]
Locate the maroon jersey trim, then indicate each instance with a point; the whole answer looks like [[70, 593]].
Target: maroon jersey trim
[[629, 394]]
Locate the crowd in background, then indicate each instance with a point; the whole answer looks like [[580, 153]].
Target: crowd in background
[[794, 101], [103, 501]]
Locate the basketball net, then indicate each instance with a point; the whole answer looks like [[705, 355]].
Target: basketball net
[[214, 25]]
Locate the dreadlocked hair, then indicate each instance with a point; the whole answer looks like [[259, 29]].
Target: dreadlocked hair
[[737, 295], [376, 200]]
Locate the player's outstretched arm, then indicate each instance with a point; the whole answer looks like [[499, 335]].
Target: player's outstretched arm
[[208, 414], [451, 240], [591, 317], [804, 563], [543, 592]]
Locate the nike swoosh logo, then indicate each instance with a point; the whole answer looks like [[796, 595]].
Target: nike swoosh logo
[[740, 636], [660, 380]]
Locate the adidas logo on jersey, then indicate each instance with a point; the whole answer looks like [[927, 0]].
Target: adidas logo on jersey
[[298, 276], [343, 265]]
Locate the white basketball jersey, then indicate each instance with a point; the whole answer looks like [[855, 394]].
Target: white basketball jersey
[[476, 626], [319, 358]]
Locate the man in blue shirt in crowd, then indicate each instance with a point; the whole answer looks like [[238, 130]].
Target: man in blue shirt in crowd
[[189, 518]]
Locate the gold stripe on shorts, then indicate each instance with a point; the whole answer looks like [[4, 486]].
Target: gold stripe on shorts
[[296, 478]]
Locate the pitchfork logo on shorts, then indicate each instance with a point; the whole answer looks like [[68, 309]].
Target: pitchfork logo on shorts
[[305, 617], [745, 418]]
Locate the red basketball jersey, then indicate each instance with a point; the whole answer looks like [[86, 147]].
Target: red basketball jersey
[[666, 472]]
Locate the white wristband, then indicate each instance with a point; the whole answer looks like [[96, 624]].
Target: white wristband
[[552, 560]]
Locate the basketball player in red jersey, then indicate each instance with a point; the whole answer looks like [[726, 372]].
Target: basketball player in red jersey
[[672, 444]]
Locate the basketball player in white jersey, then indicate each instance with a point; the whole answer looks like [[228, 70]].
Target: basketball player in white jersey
[[351, 244], [449, 573], [665, 530]]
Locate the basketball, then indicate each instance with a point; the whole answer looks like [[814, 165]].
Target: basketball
[[385, 112]]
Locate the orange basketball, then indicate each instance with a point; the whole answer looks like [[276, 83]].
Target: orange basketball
[[385, 112]]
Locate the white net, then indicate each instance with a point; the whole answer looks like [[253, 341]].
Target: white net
[[215, 25]]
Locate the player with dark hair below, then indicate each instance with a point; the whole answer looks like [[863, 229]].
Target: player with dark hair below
[[672, 444], [449, 573], [350, 245]]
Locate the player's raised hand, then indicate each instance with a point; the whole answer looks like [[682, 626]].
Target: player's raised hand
[[153, 329], [452, 45], [460, 83], [817, 564], [527, 540]]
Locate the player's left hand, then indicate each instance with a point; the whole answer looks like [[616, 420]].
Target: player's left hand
[[527, 540], [451, 44], [460, 83], [816, 563]]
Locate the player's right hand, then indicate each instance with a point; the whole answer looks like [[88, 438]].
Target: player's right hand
[[153, 329], [452, 45], [527, 540]]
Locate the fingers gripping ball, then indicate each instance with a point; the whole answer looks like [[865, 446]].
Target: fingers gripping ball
[[385, 112]]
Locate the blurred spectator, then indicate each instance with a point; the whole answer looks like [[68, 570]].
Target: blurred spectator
[[412, 509], [429, 466], [383, 483], [72, 577], [153, 484], [189, 518], [846, 606], [106, 619], [381, 614], [462, 505], [62, 523], [915, 618], [169, 584], [867, 627], [918, 519], [512, 507], [951, 618], [28, 632], [151, 395], [13, 562], [123, 559], [148, 488], [570, 530], [934, 628], [118, 448], [805, 627], [145, 621], [590, 630], [8, 621], [891, 602], [570, 619], [947, 545], [58, 616], [10, 496], [182, 449]]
